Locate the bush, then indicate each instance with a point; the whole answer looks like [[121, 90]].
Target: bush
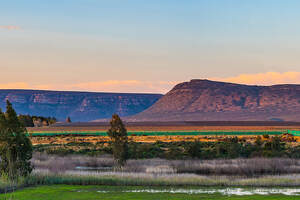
[[266, 136], [193, 149]]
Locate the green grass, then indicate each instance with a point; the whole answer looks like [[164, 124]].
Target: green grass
[[67, 192], [77, 187]]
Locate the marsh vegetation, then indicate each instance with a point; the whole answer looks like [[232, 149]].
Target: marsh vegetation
[[267, 161]]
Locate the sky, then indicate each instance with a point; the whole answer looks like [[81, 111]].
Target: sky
[[147, 45]]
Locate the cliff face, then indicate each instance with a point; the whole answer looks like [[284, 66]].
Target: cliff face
[[80, 106], [209, 100]]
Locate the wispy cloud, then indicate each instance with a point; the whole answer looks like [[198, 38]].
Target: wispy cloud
[[16, 85], [117, 86], [101, 86], [10, 27], [268, 78]]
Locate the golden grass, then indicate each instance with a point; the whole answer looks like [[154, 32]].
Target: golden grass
[[145, 139]]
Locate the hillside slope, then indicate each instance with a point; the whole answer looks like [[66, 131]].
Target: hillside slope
[[210, 101], [80, 106]]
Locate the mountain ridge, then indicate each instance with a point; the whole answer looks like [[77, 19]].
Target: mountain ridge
[[202, 99], [80, 106]]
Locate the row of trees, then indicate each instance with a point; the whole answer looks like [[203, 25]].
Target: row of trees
[[31, 121]]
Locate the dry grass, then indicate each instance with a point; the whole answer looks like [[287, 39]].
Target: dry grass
[[241, 167], [58, 164], [146, 179], [66, 139]]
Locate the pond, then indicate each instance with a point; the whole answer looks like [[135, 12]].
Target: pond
[[224, 191]]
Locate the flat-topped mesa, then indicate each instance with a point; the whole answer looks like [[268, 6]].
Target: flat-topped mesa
[[211, 100], [80, 106], [198, 83]]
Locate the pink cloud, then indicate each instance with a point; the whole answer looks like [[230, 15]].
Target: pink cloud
[[268, 78], [10, 27], [16, 85], [115, 86], [100, 86]]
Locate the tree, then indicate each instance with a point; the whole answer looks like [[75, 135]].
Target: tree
[[15, 146], [119, 140], [26, 120], [43, 121], [68, 120]]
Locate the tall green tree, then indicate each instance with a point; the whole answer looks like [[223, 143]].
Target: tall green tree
[[15, 146], [119, 140]]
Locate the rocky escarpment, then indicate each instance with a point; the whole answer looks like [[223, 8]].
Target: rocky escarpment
[[210, 100], [80, 106]]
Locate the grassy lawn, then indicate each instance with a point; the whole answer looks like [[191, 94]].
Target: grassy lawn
[[67, 192]]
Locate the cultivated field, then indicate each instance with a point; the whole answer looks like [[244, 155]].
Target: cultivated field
[[165, 132]]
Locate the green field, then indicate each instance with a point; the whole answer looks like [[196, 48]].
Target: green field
[[66, 192], [161, 133]]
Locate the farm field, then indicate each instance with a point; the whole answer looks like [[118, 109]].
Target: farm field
[[67, 192], [168, 127], [151, 134]]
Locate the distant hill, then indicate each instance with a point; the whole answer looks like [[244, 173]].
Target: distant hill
[[80, 106], [207, 100]]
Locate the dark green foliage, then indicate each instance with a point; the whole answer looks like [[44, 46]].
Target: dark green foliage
[[266, 136], [174, 152], [229, 148], [15, 146], [274, 148], [44, 121], [144, 150], [119, 140], [60, 151], [194, 149], [26, 120], [29, 121], [294, 152]]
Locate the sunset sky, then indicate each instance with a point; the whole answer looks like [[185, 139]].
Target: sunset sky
[[147, 45]]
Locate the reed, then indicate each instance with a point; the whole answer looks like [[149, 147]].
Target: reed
[[145, 179], [242, 167]]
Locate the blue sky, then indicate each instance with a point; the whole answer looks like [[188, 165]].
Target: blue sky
[[147, 46]]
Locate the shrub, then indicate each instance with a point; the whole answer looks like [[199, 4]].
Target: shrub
[[266, 136], [193, 149]]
